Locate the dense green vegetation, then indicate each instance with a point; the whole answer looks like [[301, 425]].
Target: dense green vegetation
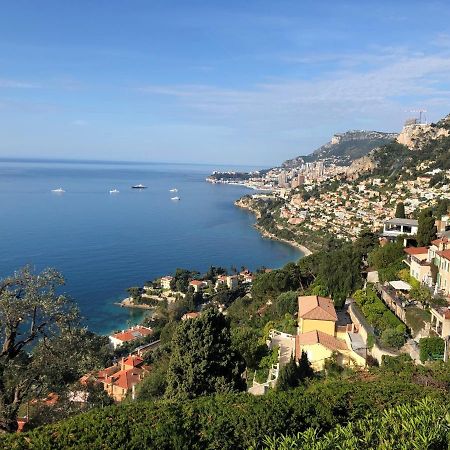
[[240, 421], [431, 348], [421, 425], [387, 260], [426, 231], [390, 329], [202, 358]]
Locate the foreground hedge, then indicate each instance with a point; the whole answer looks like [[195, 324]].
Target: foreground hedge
[[423, 425], [231, 421]]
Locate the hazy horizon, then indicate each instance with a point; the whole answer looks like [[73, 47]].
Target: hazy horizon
[[186, 82]]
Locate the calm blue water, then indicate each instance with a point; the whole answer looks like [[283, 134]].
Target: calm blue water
[[105, 243]]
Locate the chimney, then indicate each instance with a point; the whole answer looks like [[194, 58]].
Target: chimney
[[122, 363]]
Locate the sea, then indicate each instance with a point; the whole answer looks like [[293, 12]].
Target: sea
[[104, 243]]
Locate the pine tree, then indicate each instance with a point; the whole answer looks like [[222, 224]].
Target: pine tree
[[203, 360]]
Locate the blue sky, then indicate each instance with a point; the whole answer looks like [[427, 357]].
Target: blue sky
[[234, 82]]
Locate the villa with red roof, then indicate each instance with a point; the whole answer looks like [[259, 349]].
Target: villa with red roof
[[420, 260], [120, 379], [133, 333], [198, 285], [318, 335]]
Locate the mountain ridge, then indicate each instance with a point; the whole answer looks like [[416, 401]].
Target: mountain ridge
[[343, 148]]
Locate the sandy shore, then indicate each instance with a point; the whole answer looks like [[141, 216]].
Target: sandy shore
[[306, 251]]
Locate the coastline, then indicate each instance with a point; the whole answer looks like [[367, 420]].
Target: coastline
[[305, 250], [127, 303]]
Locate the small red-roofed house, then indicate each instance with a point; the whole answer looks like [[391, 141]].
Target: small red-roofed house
[[318, 336], [419, 265], [316, 313], [120, 379], [198, 285], [133, 333]]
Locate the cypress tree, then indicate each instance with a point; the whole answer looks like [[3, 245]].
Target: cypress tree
[[427, 230], [400, 211]]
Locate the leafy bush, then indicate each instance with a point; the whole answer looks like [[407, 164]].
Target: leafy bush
[[431, 348], [421, 425], [228, 421], [391, 328]]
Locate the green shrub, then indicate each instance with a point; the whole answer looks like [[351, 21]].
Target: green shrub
[[431, 348], [421, 425], [227, 421]]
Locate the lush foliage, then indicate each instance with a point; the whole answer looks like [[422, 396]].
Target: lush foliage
[[231, 421], [431, 348], [385, 322], [42, 347], [388, 260], [426, 231], [203, 360], [421, 425], [293, 375]]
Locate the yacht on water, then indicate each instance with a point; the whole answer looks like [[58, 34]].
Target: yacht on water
[[114, 191], [139, 186], [58, 191], [173, 190], [175, 198]]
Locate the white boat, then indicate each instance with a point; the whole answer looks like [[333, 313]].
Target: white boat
[[139, 186], [114, 191], [174, 190], [58, 191], [175, 198]]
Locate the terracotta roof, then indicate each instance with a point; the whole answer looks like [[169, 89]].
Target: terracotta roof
[[190, 315], [196, 282], [443, 311], [416, 250], [444, 254], [125, 379], [133, 333], [318, 337], [441, 240], [133, 361], [314, 307]]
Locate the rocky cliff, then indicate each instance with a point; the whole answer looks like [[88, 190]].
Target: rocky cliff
[[415, 136], [343, 148]]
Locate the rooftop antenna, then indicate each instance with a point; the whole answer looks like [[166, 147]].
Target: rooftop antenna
[[420, 112]]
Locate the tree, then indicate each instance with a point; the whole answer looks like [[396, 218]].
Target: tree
[[33, 318], [247, 342], [400, 210], [430, 348], [427, 230], [154, 384], [289, 376], [304, 367], [203, 360], [286, 303], [393, 337], [293, 374], [442, 208]]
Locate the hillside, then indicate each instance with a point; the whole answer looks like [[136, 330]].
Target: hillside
[[345, 147], [423, 150], [242, 421]]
